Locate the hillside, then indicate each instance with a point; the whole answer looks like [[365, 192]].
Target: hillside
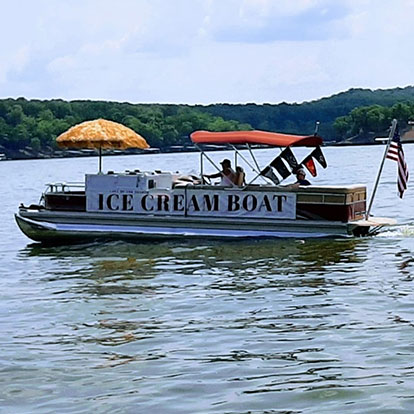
[[28, 128], [301, 118]]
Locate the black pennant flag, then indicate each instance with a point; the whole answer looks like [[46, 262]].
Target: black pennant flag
[[318, 155], [268, 172], [288, 155], [280, 167]]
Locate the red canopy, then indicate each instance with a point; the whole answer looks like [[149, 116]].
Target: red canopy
[[255, 137]]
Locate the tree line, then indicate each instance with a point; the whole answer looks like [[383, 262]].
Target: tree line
[[302, 118], [373, 119], [35, 124]]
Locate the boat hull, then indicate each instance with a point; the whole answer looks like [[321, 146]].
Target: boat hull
[[76, 227]]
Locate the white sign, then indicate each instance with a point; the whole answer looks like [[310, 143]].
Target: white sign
[[193, 202], [238, 203]]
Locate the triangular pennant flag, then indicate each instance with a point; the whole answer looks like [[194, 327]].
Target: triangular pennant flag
[[280, 167], [268, 172], [288, 155], [318, 155], [310, 165]]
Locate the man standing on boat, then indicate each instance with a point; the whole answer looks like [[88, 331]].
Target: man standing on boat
[[227, 175]]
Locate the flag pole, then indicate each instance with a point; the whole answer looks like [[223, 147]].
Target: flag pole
[[316, 128], [374, 190]]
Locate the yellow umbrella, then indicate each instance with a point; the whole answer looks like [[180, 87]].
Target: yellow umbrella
[[101, 133]]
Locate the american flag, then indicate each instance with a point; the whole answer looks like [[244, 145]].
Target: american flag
[[396, 153]]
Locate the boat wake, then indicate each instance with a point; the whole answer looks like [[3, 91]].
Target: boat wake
[[405, 231]]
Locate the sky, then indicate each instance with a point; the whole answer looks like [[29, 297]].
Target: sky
[[203, 51]]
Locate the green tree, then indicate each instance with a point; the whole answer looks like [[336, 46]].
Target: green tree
[[45, 133], [342, 125], [377, 118], [35, 144], [15, 115], [46, 115], [401, 111]]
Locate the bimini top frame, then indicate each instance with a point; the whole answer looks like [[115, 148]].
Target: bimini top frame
[[248, 138]]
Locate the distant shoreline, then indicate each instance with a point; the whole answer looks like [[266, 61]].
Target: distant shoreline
[[28, 155]]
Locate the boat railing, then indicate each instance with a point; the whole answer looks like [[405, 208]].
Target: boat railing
[[64, 196], [64, 187]]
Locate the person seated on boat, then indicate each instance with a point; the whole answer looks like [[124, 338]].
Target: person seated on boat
[[240, 177], [300, 178], [227, 175]]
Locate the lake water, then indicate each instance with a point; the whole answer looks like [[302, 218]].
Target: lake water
[[288, 326]]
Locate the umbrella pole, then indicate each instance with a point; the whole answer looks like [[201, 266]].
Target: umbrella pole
[[100, 160]]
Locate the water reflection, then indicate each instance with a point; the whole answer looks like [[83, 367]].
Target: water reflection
[[142, 290], [118, 270], [158, 279], [405, 263], [135, 260]]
